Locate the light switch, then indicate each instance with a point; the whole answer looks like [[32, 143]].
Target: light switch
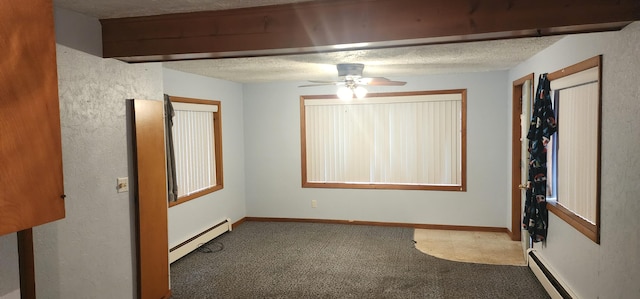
[[123, 185]]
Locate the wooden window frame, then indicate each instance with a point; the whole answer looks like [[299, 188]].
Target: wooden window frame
[[590, 230], [463, 152], [217, 132]]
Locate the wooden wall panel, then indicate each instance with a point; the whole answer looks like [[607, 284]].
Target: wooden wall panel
[[30, 141], [151, 200]]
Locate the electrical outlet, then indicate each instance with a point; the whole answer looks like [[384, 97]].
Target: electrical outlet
[[314, 203], [123, 185]]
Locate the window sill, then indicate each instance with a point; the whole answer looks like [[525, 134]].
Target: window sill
[[384, 186], [587, 228], [195, 195]]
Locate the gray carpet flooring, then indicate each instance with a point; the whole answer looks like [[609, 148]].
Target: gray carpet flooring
[[313, 260]]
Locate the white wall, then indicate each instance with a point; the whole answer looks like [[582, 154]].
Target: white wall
[[272, 145], [192, 217], [9, 274], [86, 37], [90, 253], [611, 269]]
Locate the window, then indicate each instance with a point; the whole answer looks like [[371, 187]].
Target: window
[[574, 185], [411, 140], [197, 145]]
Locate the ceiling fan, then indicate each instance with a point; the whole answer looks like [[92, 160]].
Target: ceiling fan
[[352, 82]]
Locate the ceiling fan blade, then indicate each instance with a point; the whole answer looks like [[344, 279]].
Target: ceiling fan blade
[[321, 84], [351, 76], [381, 81], [324, 81]]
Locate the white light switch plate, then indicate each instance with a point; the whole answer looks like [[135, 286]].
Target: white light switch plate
[[123, 185]]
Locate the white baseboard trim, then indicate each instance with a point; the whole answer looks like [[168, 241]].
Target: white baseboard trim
[[556, 288], [198, 240]]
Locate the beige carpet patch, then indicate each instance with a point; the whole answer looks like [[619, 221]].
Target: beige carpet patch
[[472, 247]]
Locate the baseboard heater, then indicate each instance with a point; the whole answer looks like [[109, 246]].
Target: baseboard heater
[[198, 240], [547, 277]]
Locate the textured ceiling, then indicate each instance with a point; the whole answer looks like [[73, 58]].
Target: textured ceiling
[[407, 61], [390, 62]]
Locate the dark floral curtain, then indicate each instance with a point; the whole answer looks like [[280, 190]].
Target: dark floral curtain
[[541, 128]]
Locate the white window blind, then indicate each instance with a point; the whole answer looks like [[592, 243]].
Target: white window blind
[[194, 146], [412, 140], [578, 149]]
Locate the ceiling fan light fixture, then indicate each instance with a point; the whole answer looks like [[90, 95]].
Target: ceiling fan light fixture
[[351, 81], [345, 93], [360, 92]]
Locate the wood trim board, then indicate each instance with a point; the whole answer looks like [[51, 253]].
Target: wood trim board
[[376, 223], [151, 199], [26, 262]]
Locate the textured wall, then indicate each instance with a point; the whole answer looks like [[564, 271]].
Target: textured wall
[[90, 253], [611, 269], [272, 145], [192, 217]]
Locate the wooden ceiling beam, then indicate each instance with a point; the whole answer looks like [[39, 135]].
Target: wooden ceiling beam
[[319, 26]]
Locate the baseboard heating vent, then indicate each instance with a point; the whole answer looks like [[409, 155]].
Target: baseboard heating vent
[[198, 240], [548, 280]]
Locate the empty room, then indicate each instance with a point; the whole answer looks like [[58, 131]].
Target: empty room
[[319, 149]]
